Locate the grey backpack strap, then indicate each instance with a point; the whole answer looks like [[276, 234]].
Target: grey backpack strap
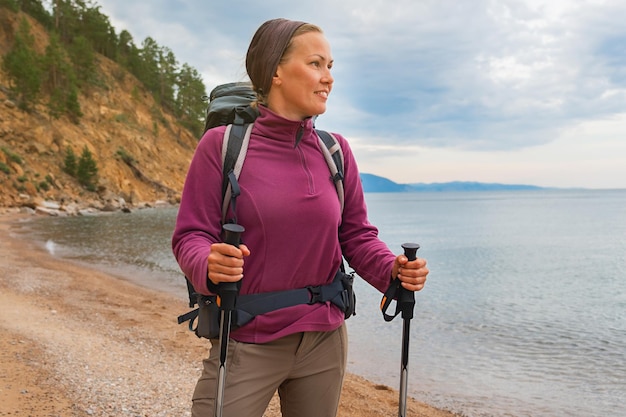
[[334, 158], [235, 143]]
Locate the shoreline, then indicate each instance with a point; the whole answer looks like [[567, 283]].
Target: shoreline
[[81, 342]]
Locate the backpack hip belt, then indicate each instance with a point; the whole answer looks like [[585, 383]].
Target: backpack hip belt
[[339, 292]]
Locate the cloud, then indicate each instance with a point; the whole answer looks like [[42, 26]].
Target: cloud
[[480, 76]]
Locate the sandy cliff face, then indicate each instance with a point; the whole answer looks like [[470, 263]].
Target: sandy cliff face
[[119, 119]]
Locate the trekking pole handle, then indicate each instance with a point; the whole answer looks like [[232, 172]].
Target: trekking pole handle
[[410, 250], [406, 298], [232, 233], [228, 290]]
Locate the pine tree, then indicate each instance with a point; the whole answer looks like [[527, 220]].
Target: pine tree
[[66, 19], [128, 53], [83, 60], [190, 108], [70, 163], [10, 4], [53, 72], [149, 73], [167, 77], [87, 171], [72, 106], [36, 9], [60, 80], [97, 28], [22, 64]]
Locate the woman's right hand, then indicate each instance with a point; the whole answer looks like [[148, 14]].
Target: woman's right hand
[[226, 262]]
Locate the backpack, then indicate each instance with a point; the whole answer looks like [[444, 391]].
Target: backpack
[[229, 104]]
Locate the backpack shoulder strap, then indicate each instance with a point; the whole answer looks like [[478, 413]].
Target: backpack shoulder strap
[[234, 149], [334, 159]]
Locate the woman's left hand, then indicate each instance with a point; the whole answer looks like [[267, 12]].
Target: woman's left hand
[[412, 274]]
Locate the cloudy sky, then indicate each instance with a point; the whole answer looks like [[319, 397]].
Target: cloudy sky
[[507, 91]]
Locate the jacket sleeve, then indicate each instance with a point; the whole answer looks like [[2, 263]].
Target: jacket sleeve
[[364, 251], [199, 214]]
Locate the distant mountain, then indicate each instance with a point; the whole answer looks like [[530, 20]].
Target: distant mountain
[[470, 186], [375, 184]]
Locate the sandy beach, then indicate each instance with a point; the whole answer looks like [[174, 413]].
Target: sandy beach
[[78, 342]]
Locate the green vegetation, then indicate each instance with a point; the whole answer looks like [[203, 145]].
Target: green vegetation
[[23, 67], [10, 4], [70, 163], [122, 118], [5, 168], [87, 171], [11, 155], [79, 32], [125, 156], [19, 187], [83, 60], [84, 169], [60, 81]]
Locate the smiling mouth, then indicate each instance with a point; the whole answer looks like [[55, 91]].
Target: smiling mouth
[[323, 94]]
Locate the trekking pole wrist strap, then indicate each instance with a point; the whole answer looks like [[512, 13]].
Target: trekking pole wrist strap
[[390, 295]]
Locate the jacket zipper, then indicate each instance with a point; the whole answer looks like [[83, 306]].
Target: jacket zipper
[[305, 167]]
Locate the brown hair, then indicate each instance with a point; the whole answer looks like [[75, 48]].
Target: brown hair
[[270, 45]]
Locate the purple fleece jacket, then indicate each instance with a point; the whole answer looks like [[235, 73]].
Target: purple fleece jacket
[[292, 218]]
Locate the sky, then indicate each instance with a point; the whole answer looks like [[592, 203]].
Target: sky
[[425, 91]]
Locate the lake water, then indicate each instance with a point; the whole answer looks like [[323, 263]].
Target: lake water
[[524, 313]]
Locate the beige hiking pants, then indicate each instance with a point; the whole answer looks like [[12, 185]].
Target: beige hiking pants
[[306, 368]]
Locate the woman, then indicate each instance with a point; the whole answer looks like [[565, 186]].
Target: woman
[[295, 235]]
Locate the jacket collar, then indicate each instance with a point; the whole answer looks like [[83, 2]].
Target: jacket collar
[[273, 126]]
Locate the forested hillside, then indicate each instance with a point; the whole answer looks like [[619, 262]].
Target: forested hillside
[[87, 116]]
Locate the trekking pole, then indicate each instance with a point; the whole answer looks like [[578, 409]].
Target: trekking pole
[[226, 300], [405, 302]]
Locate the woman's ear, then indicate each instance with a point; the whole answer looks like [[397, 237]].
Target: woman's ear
[[277, 80]]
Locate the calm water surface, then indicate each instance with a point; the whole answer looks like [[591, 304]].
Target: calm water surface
[[524, 313]]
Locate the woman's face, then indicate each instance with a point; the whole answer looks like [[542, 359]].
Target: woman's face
[[303, 81]]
